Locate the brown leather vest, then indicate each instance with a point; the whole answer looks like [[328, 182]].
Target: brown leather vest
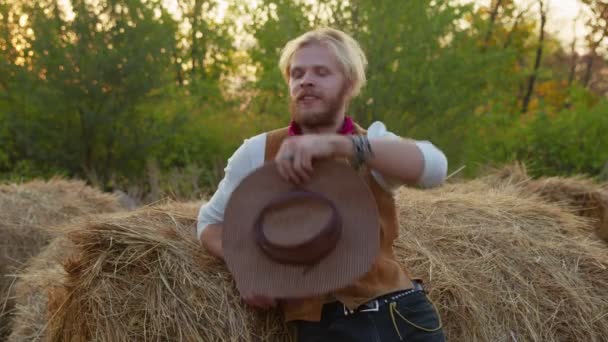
[[385, 276]]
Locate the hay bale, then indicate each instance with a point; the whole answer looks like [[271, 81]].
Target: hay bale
[[25, 209], [580, 194], [586, 197], [505, 266], [497, 263], [143, 276], [511, 174], [42, 278]]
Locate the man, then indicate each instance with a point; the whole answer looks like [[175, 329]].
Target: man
[[324, 70]]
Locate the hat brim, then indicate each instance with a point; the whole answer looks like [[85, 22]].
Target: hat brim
[[352, 257]]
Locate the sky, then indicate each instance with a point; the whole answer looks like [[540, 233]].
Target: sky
[[560, 22], [561, 18]]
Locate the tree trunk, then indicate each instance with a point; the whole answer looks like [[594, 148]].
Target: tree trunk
[[573, 61], [194, 49], [591, 58], [594, 45], [178, 69], [604, 173], [87, 156], [539, 54], [493, 16]]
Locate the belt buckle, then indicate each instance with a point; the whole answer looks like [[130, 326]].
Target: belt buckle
[[375, 307]]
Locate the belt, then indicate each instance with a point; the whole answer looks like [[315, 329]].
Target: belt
[[377, 303]]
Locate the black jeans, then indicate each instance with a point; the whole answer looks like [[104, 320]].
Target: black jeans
[[411, 318]]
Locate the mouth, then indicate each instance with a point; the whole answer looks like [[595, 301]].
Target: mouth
[[307, 98]]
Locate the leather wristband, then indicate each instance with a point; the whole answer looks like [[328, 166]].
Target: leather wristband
[[362, 150]]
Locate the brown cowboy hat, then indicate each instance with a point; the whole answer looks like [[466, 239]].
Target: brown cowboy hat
[[285, 241]]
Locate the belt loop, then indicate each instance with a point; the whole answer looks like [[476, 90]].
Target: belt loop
[[418, 285], [347, 311]]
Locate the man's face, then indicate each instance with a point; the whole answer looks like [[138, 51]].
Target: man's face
[[317, 86]]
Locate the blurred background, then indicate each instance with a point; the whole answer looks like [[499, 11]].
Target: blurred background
[[151, 97]]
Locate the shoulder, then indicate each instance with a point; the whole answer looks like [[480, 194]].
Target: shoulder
[[254, 143], [250, 153]]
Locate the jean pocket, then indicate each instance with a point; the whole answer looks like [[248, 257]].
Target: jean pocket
[[417, 312]]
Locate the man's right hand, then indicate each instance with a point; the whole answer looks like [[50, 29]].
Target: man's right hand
[[211, 239], [258, 301]]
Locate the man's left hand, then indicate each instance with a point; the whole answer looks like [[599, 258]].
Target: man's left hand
[[294, 159]]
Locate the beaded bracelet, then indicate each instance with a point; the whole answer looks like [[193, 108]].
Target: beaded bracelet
[[362, 149]]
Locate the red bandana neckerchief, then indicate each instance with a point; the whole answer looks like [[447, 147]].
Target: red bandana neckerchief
[[347, 128]]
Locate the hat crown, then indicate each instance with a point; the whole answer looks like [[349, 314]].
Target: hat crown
[[307, 243]]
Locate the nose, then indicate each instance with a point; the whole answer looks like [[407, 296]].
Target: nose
[[307, 81]]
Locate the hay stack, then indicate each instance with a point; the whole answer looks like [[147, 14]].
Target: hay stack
[[25, 209], [505, 266], [43, 278], [144, 276], [498, 265], [584, 196], [510, 174]]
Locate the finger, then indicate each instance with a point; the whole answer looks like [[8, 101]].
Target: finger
[[307, 164], [298, 167], [289, 170], [281, 170]]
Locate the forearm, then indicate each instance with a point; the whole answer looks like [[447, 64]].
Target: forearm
[[400, 159], [211, 239]]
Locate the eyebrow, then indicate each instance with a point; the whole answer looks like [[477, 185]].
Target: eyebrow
[[310, 66]]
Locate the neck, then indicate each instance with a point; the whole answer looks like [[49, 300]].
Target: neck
[[331, 129]]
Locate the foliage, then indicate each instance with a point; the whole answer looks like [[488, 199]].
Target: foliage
[[571, 141], [130, 94]]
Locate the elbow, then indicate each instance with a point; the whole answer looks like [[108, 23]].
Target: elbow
[[204, 238], [211, 239], [435, 169], [208, 235]]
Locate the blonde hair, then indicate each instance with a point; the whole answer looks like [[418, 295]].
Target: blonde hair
[[346, 49]]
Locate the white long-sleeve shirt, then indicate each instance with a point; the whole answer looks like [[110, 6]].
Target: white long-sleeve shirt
[[250, 156]]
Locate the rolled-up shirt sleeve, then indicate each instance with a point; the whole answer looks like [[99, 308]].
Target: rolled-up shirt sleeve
[[435, 165], [435, 161], [248, 157]]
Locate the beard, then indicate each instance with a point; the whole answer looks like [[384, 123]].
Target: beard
[[324, 116]]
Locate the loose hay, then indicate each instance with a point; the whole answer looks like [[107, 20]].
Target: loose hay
[[25, 209], [499, 265]]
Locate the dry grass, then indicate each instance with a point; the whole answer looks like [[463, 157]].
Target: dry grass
[[584, 196], [500, 264], [43, 278], [143, 276], [503, 266], [25, 211]]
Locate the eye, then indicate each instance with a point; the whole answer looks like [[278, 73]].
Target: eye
[[322, 71], [296, 73]]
